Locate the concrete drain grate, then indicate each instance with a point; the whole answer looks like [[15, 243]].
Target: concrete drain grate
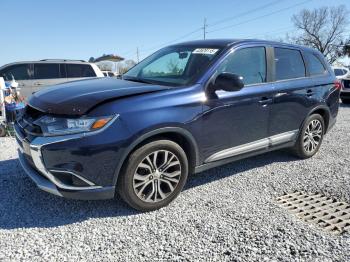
[[318, 209]]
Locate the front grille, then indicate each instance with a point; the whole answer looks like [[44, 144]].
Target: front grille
[[26, 122]]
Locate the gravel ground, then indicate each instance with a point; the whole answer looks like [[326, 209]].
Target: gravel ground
[[224, 214]]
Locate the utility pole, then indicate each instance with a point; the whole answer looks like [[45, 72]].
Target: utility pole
[[205, 28], [137, 55]]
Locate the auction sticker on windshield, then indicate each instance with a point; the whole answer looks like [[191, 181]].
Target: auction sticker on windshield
[[205, 51]]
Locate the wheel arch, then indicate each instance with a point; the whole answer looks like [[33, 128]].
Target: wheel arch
[[324, 112], [178, 135]]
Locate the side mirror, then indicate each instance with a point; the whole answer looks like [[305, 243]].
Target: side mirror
[[228, 82]]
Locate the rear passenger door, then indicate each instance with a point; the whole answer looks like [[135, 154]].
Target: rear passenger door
[[293, 92], [47, 74], [79, 71]]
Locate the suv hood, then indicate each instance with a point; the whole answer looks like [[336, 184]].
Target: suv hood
[[78, 97]]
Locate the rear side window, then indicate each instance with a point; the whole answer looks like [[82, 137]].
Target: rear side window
[[315, 65], [77, 70], [19, 72], [46, 71], [289, 64], [250, 63]]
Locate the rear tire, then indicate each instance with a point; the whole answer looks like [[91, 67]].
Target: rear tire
[[310, 137], [345, 100], [154, 175]]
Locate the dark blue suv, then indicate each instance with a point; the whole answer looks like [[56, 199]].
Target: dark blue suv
[[186, 108]]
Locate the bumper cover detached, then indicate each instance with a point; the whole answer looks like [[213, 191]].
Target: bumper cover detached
[[93, 193], [32, 162], [40, 181]]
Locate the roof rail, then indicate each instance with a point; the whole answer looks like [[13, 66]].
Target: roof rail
[[63, 60]]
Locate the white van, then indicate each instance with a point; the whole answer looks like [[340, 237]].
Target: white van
[[35, 75]]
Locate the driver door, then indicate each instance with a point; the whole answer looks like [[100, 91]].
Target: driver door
[[237, 122]]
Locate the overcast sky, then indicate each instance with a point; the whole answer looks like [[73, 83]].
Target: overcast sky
[[79, 29]]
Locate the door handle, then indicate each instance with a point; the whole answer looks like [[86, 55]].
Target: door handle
[[309, 93], [265, 100], [38, 84]]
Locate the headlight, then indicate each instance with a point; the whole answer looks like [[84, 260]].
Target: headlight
[[55, 126]]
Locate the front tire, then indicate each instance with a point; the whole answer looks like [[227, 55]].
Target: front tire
[[154, 175], [310, 137]]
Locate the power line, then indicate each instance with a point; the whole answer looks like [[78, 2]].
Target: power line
[[246, 13], [145, 53], [279, 30], [161, 45], [175, 40], [205, 25], [262, 16]]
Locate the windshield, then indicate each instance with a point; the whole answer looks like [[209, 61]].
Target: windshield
[[176, 65]]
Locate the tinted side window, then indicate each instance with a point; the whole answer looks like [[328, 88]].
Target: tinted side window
[[19, 72], [289, 64], [250, 63], [46, 71], [76, 70], [63, 73], [315, 65]]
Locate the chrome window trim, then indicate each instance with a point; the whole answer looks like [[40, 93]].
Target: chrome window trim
[[213, 68], [253, 146]]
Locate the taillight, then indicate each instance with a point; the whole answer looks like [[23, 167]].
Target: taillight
[[338, 84]]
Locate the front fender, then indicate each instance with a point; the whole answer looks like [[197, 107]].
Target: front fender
[[148, 134]]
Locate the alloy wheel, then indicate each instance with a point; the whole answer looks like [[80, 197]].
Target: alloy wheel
[[157, 176], [313, 136]]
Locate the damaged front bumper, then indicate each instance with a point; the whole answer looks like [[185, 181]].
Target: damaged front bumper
[[30, 156]]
